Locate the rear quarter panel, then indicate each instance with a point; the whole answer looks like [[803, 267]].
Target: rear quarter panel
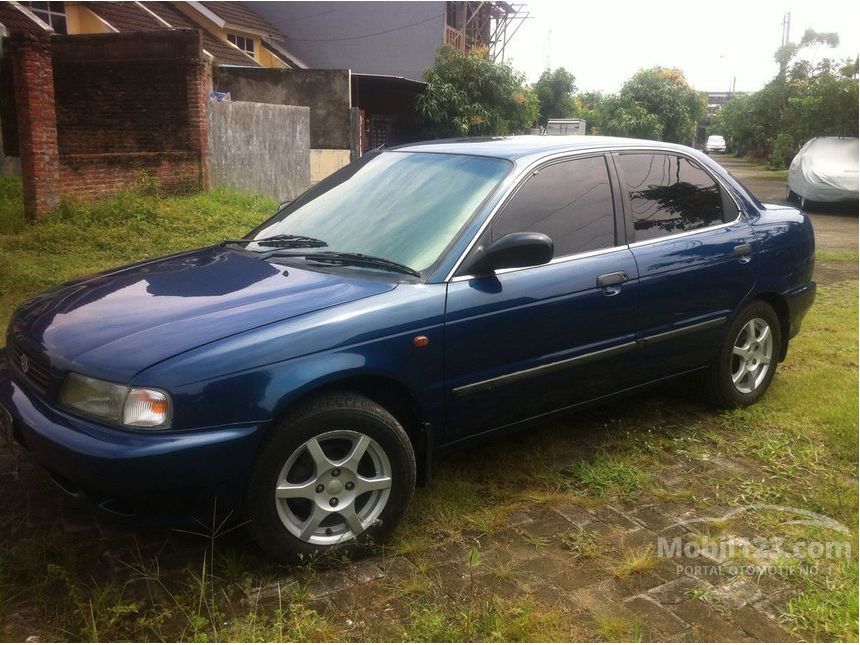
[[787, 243]]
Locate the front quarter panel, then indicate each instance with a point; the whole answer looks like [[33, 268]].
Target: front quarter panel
[[254, 376]]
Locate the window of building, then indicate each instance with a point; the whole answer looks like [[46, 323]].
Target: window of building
[[52, 13], [570, 201], [669, 194], [245, 43]]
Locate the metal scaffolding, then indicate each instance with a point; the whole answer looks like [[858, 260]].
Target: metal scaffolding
[[484, 24]]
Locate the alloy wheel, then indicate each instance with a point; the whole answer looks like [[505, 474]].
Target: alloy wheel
[[333, 487], [752, 355]]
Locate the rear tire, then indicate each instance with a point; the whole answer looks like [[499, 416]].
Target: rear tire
[[336, 473], [792, 196], [747, 361]]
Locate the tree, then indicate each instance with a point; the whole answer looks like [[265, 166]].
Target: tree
[[590, 106], [804, 100], [467, 94], [555, 90], [655, 103]]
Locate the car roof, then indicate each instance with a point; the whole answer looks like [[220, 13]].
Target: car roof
[[516, 147]]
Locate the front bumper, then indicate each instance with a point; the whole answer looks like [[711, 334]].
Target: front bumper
[[149, 478]]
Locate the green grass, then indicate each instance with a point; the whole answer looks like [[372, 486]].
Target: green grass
[[838, 256], [763, 173], [80, 238], [11, 204], [607, 475]]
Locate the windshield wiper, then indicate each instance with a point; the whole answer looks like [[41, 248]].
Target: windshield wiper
[[360, 259], [282, 241]]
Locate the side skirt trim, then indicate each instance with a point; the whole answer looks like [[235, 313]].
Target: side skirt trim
[[522, 375]]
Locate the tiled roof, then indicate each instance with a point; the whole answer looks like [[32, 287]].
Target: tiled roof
[[223, 52], [124, 16], [16, 20], [239, 15]]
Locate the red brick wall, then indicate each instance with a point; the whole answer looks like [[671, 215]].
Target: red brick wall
[[37, 122], [8, 116], [130, 105], [126, 106]]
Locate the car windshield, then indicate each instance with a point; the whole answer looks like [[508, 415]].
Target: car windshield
[[405, 207]]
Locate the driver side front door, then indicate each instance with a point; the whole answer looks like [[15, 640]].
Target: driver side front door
[[521, 343]]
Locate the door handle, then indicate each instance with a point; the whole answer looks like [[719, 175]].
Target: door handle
[[611, 279], [743, 252]]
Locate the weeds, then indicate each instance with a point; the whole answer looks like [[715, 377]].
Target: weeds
[[635, 561]]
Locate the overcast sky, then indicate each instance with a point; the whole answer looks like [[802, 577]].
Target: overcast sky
[[604, 42]]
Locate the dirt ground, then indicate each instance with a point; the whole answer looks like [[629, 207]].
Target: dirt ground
[[535, 559]]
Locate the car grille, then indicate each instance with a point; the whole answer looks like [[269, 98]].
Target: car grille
[[33, 368]]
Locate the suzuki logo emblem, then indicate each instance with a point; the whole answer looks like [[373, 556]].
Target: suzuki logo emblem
[[25, 364]]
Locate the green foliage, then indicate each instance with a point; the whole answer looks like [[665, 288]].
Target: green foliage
[[555, 90], [656, 103], [803, 101], [469, 95], [591, 107], [11, 204]]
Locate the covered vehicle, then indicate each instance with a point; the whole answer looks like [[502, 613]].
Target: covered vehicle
[[715, 143], [824, 170]]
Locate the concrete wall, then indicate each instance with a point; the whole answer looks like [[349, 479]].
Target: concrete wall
[[325, 92], [260, 147], [325, 161], [396, 38]]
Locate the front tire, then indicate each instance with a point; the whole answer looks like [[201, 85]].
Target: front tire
[[748, 357], [337, 472]]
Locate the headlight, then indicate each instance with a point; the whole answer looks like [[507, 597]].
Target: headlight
[[135, 407]]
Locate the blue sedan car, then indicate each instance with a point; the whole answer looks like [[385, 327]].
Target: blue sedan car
[[421, 297]]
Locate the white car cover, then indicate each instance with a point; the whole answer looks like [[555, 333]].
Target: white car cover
[[825, 170]]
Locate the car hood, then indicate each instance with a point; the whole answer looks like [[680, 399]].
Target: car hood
[[115, 324]]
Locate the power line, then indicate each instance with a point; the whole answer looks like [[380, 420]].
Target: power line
[[380, 33]]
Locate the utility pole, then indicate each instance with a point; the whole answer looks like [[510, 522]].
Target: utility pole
[[786, 28]]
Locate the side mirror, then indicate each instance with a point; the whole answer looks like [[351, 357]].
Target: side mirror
[[511, 251]]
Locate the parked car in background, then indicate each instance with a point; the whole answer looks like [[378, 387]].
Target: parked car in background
[[825, 170], [422, 297], [715, 143]]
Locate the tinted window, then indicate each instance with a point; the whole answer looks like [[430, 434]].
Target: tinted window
[[570, 201], [669, 194]]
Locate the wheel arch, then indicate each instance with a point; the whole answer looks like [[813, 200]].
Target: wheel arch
[[393, 395], [780, 306]]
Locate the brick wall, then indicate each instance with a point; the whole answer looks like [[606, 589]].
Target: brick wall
[[37, 122], [130, 105], [8, 116], [126, 106]]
